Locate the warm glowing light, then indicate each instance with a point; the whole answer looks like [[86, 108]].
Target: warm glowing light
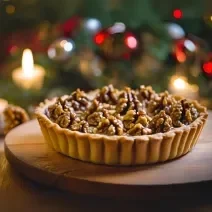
[[28, 76], [211, 18], [179, 83], [92, 25], [99, 38], [68, 46], [117, 28], [190, 45], [177, 13], [51, 53], [131, 42], [27, 63], [195, 88], [207, 67], [175, 31], [180, 86], [181, 57], [10, 9], [63, 42]]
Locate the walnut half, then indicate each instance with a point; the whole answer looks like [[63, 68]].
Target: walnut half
[[107, 95], [161, 122]]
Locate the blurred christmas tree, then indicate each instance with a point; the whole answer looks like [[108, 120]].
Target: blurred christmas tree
[[90, 43]]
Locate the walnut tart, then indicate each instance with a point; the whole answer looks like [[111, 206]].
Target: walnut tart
[[121, 127]]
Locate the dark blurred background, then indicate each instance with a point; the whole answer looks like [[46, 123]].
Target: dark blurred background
[[91, 43]]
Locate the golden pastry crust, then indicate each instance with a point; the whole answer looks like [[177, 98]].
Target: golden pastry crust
[[118, 149]]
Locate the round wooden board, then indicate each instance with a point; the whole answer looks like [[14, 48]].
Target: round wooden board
[[26, 151]]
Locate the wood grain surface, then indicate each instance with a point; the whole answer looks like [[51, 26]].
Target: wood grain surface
[[19, 193], [27, 151]]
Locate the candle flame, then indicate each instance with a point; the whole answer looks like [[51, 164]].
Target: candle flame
[[27, 63], [179, 83]]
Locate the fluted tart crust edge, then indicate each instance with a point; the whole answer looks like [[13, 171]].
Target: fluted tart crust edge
[[121, 150]]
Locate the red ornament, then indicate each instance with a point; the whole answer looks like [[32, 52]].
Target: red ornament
[[116, 42], [13, 49], [100, 38], [177, 13], [69, 26], [207, 68]]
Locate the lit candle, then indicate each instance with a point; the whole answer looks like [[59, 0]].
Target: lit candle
[[3, 105], [180, 86], [29, 76]]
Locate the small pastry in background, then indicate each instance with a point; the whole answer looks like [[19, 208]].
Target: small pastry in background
[[3, 105], [13, 117]]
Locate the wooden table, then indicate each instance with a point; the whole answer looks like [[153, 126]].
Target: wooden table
[[19, 193]]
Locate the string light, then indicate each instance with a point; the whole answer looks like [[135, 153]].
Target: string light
[[99, 38], [10, 9], [175, 31], [92, 25], [189, 45], [116, 42], [179, 83], [177, 13], [181, 57], [61, 49], [207, 68], [131, 42], [117, 28]]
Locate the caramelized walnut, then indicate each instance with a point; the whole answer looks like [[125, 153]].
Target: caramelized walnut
[[107, 95], [161, 122], [122, 105], [143, 119], [176, 114], [76, 126], [110, 126], [132, 117], [102, 108], [190, 113], [146, 92], [64, 120], [103, 125], [82, 126], [129, 118], [112, 112], [85, 127], [128, 100], [94, 106], [94, 118], [61, 113], [78, 100], [138, 129], [117, 124], [135, 130], [55, 110], [162, 102], [107, 109]]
